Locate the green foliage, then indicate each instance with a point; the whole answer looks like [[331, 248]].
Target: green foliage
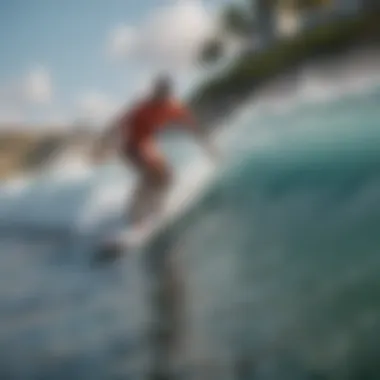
[[310, 4], [237, 20], [211, 51], [254, 68]]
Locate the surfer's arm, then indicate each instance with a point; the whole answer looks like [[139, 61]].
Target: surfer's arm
[[195, 128]]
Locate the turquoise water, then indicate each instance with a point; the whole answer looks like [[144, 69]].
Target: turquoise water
[[283, 253], [279, 258]]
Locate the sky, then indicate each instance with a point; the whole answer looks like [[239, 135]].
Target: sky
[[65, 61]]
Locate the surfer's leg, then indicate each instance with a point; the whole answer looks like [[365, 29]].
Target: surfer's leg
[[158, 174], [147, 199], [155, 166], [155, 179], [138, 205], [133, 157]]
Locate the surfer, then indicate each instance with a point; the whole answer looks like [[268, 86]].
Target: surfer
[[135, 130]]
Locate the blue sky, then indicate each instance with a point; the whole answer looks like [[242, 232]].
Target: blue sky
[[61, 60]]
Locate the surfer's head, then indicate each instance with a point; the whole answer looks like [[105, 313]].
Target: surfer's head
[[162, 87]]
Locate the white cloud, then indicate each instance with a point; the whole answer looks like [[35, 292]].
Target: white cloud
[[170, 36], [95, 107], [38, 85], [122, 40], [32, 89]]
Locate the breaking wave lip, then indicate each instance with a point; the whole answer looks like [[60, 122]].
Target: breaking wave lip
[[313, 91], [355, 73]]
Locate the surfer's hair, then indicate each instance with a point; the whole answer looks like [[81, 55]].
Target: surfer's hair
[[163, 83]]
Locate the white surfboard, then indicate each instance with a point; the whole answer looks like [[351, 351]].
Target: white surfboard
[[183, 195]]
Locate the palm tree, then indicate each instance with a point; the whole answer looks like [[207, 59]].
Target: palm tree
[[371, 5], [235, 21], [211, 51], [238, 20], [312, 4], [266, 12], [255, 17]]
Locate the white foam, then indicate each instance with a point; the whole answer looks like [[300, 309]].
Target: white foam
[[69, 168], [185, 192], [15, 186], [111, 197], [104, 199], [11, 192], [356, 72], [189, 183]]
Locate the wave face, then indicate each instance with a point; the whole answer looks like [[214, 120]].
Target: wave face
[[280, 254], [283, 251]]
